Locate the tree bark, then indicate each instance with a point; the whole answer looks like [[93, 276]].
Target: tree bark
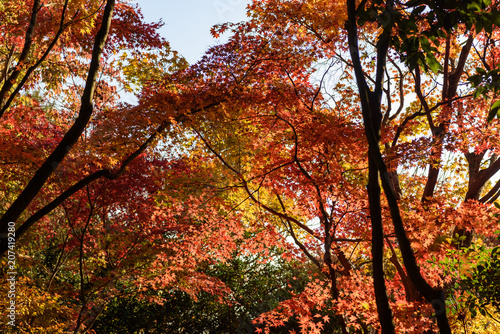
[[372, 116]]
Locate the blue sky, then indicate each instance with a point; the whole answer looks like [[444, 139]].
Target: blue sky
[[188, 22]]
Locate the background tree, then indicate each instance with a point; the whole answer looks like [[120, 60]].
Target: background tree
[[255, 287]]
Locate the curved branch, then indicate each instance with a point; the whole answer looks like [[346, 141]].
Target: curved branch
[[403, 124], [481, 178], [401, 92], [103, 173], [61, 198], [106, 173], [325, 215], [492, 195]]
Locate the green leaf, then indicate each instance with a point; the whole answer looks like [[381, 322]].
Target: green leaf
[[396, 42], [479, 26], [480, 70], [434, 40], [475, 79], [479, 90], [430, 17], [473, 7], [494, 111], [488, 26], [412, 3], [432, 62], [494, 17], [424, 42], [418, 10], [441, 33]]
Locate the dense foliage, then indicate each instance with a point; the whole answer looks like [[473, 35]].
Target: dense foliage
[[332, 167]]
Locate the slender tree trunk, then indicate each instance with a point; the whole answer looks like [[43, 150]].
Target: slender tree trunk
[[372, 117]]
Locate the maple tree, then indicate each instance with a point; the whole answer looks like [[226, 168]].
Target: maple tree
[[360, 138], [83, 178], [295, 147]]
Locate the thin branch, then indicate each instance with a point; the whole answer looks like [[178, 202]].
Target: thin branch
[[30, 70], [103, 173], [482, 177], [296, 240], [250, 193], [28, 40], [423, 102]]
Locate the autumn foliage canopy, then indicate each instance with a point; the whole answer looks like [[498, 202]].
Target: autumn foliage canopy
[[331, 168]]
